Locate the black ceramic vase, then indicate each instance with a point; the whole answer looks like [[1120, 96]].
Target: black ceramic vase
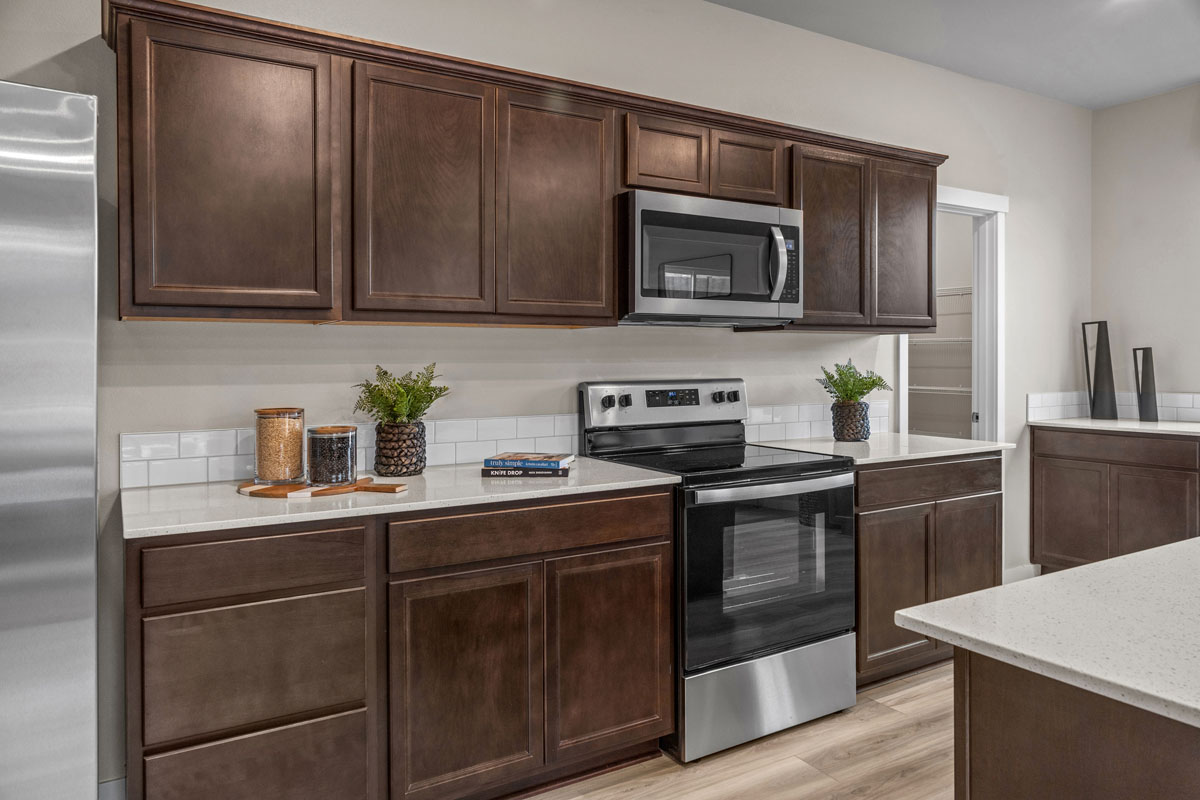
[[851, 422], [399, 448]]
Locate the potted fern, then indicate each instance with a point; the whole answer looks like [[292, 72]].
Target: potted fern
[[847, 386], [397, 406]]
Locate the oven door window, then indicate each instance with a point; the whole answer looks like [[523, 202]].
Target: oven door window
[[766, 574], [699, 258]]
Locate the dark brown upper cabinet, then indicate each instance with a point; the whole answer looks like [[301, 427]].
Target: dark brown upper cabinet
[[666, 154], [905, 198], [227, 177], [747, 167], [833, 189], [554, 209], [424, 192]]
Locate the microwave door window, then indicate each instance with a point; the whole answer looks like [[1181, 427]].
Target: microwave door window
[[704, 265]]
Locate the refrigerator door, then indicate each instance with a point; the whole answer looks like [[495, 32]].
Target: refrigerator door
[[47, 444]]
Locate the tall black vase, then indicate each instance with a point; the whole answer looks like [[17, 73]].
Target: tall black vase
[[1143, 380], [1102, 392]]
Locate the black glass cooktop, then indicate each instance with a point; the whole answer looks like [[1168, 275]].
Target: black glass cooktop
[[733, 462]]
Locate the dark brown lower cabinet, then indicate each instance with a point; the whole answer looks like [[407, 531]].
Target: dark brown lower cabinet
[[287, 663], [926, 544], [1099, 495], [466, 680], [608, 650]]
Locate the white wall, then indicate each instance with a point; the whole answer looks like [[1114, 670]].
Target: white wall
[[203, 375], [1146, 234]]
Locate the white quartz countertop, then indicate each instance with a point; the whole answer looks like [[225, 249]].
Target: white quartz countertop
[[165, 510], [883, 447], [1126, 628], [1164, 428]]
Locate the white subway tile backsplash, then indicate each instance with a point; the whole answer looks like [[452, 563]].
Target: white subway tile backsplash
[[456, 430], [497, 428], [535, 426], [566, 424], [1189, 415], [366, 434], [231, 468], [245, 441], [752, 433], [776, 430], [470, 452], [149, 445], [811, 412], [516, 445], [822, 429], [1168, 413], [785, 413], [438, 454], [134, 473], [1175, 399], [798, 430], [760, 415], [1126, 399], [207, 443], [556, 444], [178, 470]]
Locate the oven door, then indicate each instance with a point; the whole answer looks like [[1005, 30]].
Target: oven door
[[701, 258], [766, 567]]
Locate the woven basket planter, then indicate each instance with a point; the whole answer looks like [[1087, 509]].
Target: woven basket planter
[[851, 422], [399, 448]]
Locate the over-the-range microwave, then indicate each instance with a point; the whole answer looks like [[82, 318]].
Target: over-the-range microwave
[[700, 261]]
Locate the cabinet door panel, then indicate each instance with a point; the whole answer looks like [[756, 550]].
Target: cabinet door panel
[[555, 208], [1070, 512], [208, 671], [747, 167], [895, 561], [665, 154], [832, 189], [967, 542], [231, 171], [608, 650], [905, 206], [424, 191], [1152, 507], [466, 680]]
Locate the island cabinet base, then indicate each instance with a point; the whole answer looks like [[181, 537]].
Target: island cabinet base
[[1020, 734]]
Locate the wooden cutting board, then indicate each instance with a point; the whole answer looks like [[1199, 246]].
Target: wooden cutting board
[[292, 491]]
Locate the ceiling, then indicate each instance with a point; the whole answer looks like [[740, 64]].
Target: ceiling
[[1092, 53]]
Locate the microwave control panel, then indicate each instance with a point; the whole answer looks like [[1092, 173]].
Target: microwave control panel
[[791, 284], [660, 398]]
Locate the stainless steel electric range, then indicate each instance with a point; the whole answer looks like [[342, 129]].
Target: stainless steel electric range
[[764, 559]]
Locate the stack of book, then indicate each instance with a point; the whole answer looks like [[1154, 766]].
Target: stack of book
[[528, 465]]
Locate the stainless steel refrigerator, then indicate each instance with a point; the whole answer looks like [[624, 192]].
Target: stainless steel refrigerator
[[47, 444]]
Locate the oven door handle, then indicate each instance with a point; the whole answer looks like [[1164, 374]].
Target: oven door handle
[[780, 260], [704, 497]]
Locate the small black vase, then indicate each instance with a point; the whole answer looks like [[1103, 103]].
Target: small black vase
[[851, 422], [399, 448]]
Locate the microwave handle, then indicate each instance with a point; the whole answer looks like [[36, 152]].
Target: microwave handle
[[780, 260]]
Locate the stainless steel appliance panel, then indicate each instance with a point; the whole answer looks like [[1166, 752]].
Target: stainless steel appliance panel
[[47, 444], [739, 703]]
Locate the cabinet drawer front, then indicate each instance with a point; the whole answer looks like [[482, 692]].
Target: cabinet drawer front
[[464, 538], [317, 760], [183, 573], [209, 671], [899, 485], [1127, 449]]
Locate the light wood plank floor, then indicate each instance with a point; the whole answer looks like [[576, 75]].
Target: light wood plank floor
[[896, 743]]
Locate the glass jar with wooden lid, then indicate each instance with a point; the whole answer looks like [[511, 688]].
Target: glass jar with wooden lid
[[279, 445], [332, 455]]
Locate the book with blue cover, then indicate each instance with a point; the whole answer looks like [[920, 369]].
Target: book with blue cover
[[530, 460]]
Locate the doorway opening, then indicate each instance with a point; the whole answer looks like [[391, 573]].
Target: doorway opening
[[951, 383]]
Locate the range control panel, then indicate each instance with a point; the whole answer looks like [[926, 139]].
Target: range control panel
[[657, 398], [627, 403]]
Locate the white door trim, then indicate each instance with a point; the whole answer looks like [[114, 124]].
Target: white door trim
[[989, 212]]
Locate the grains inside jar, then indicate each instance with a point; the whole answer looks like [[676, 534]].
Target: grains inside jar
[[279, 445], [332, 455]]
